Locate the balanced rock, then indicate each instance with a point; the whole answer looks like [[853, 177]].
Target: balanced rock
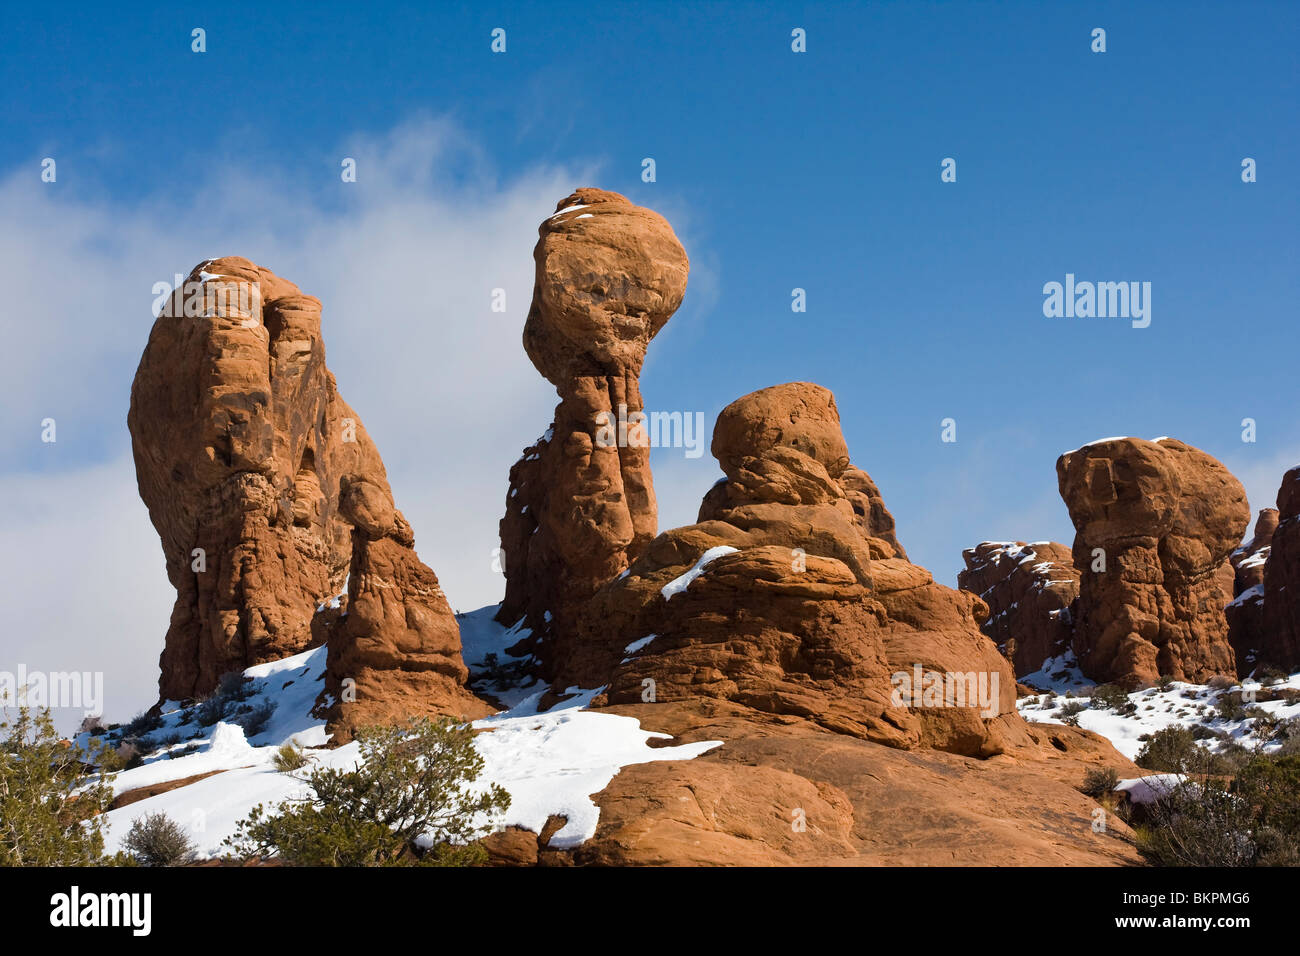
[[581, 502], [1029, 589], [266, 490], [1155, 522]]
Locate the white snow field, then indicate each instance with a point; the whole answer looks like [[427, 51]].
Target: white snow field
[[1261, 723], [550, 762]]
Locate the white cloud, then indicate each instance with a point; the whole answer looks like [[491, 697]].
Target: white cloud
[[404, 262], [86, 582]]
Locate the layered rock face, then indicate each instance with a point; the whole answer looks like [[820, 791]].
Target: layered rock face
[[1246, 611], [243, 447], [1029, 589], [1248, 560], [1163, 517], [581, 502], [1281, 642], [778, 600], [396, 653]]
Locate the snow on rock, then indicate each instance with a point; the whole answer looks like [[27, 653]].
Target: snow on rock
[[1178, 704], [680, 583], [1057, 675], [637, 645], [551, 762], [1151, 788]]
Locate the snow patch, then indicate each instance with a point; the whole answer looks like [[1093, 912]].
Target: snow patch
[[679, 584]]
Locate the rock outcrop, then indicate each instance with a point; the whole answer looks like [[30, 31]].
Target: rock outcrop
[[778, 600], [1245, 613], [783, 791], [780, 625], [1155, 523], [396, 653], [1248, 560], [266, 491], [1028, 589], [581, 503], [1280, 646]]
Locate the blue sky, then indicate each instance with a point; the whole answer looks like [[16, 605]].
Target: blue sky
[[779, 170]]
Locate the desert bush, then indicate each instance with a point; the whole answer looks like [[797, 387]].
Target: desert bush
[[1229, 707], [1253, 821], [1171, 750], [1100, 782], [255, 718], [1109, 696], [1221, 682], [141, 724], [412, 781], [1196, 824], [1271, 675], [211, 710], [1071, 710], [495, 671], [50, 803], [157, 840], [127, 755], [289, 757], [231, 690]]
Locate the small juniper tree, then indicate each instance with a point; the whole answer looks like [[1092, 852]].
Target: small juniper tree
[[50, 796], [412, 781]]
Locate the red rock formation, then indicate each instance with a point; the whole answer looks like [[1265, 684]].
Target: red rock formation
[[1029, 589], [778, 600], [1249, 559], [777, 624], [396, 653], [242, 444], [581, 506], [783, 791], [1246, 611], [1281, 642], [1164, 517]]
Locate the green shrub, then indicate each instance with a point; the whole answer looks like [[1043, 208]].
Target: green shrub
[[50, 804], [1098, 783], [1196, 824], [1071, 710], [1171, 750], [157, 840], [1109, 696], [1230, 708], [1254, 821], [289, 757], [412, 781]]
